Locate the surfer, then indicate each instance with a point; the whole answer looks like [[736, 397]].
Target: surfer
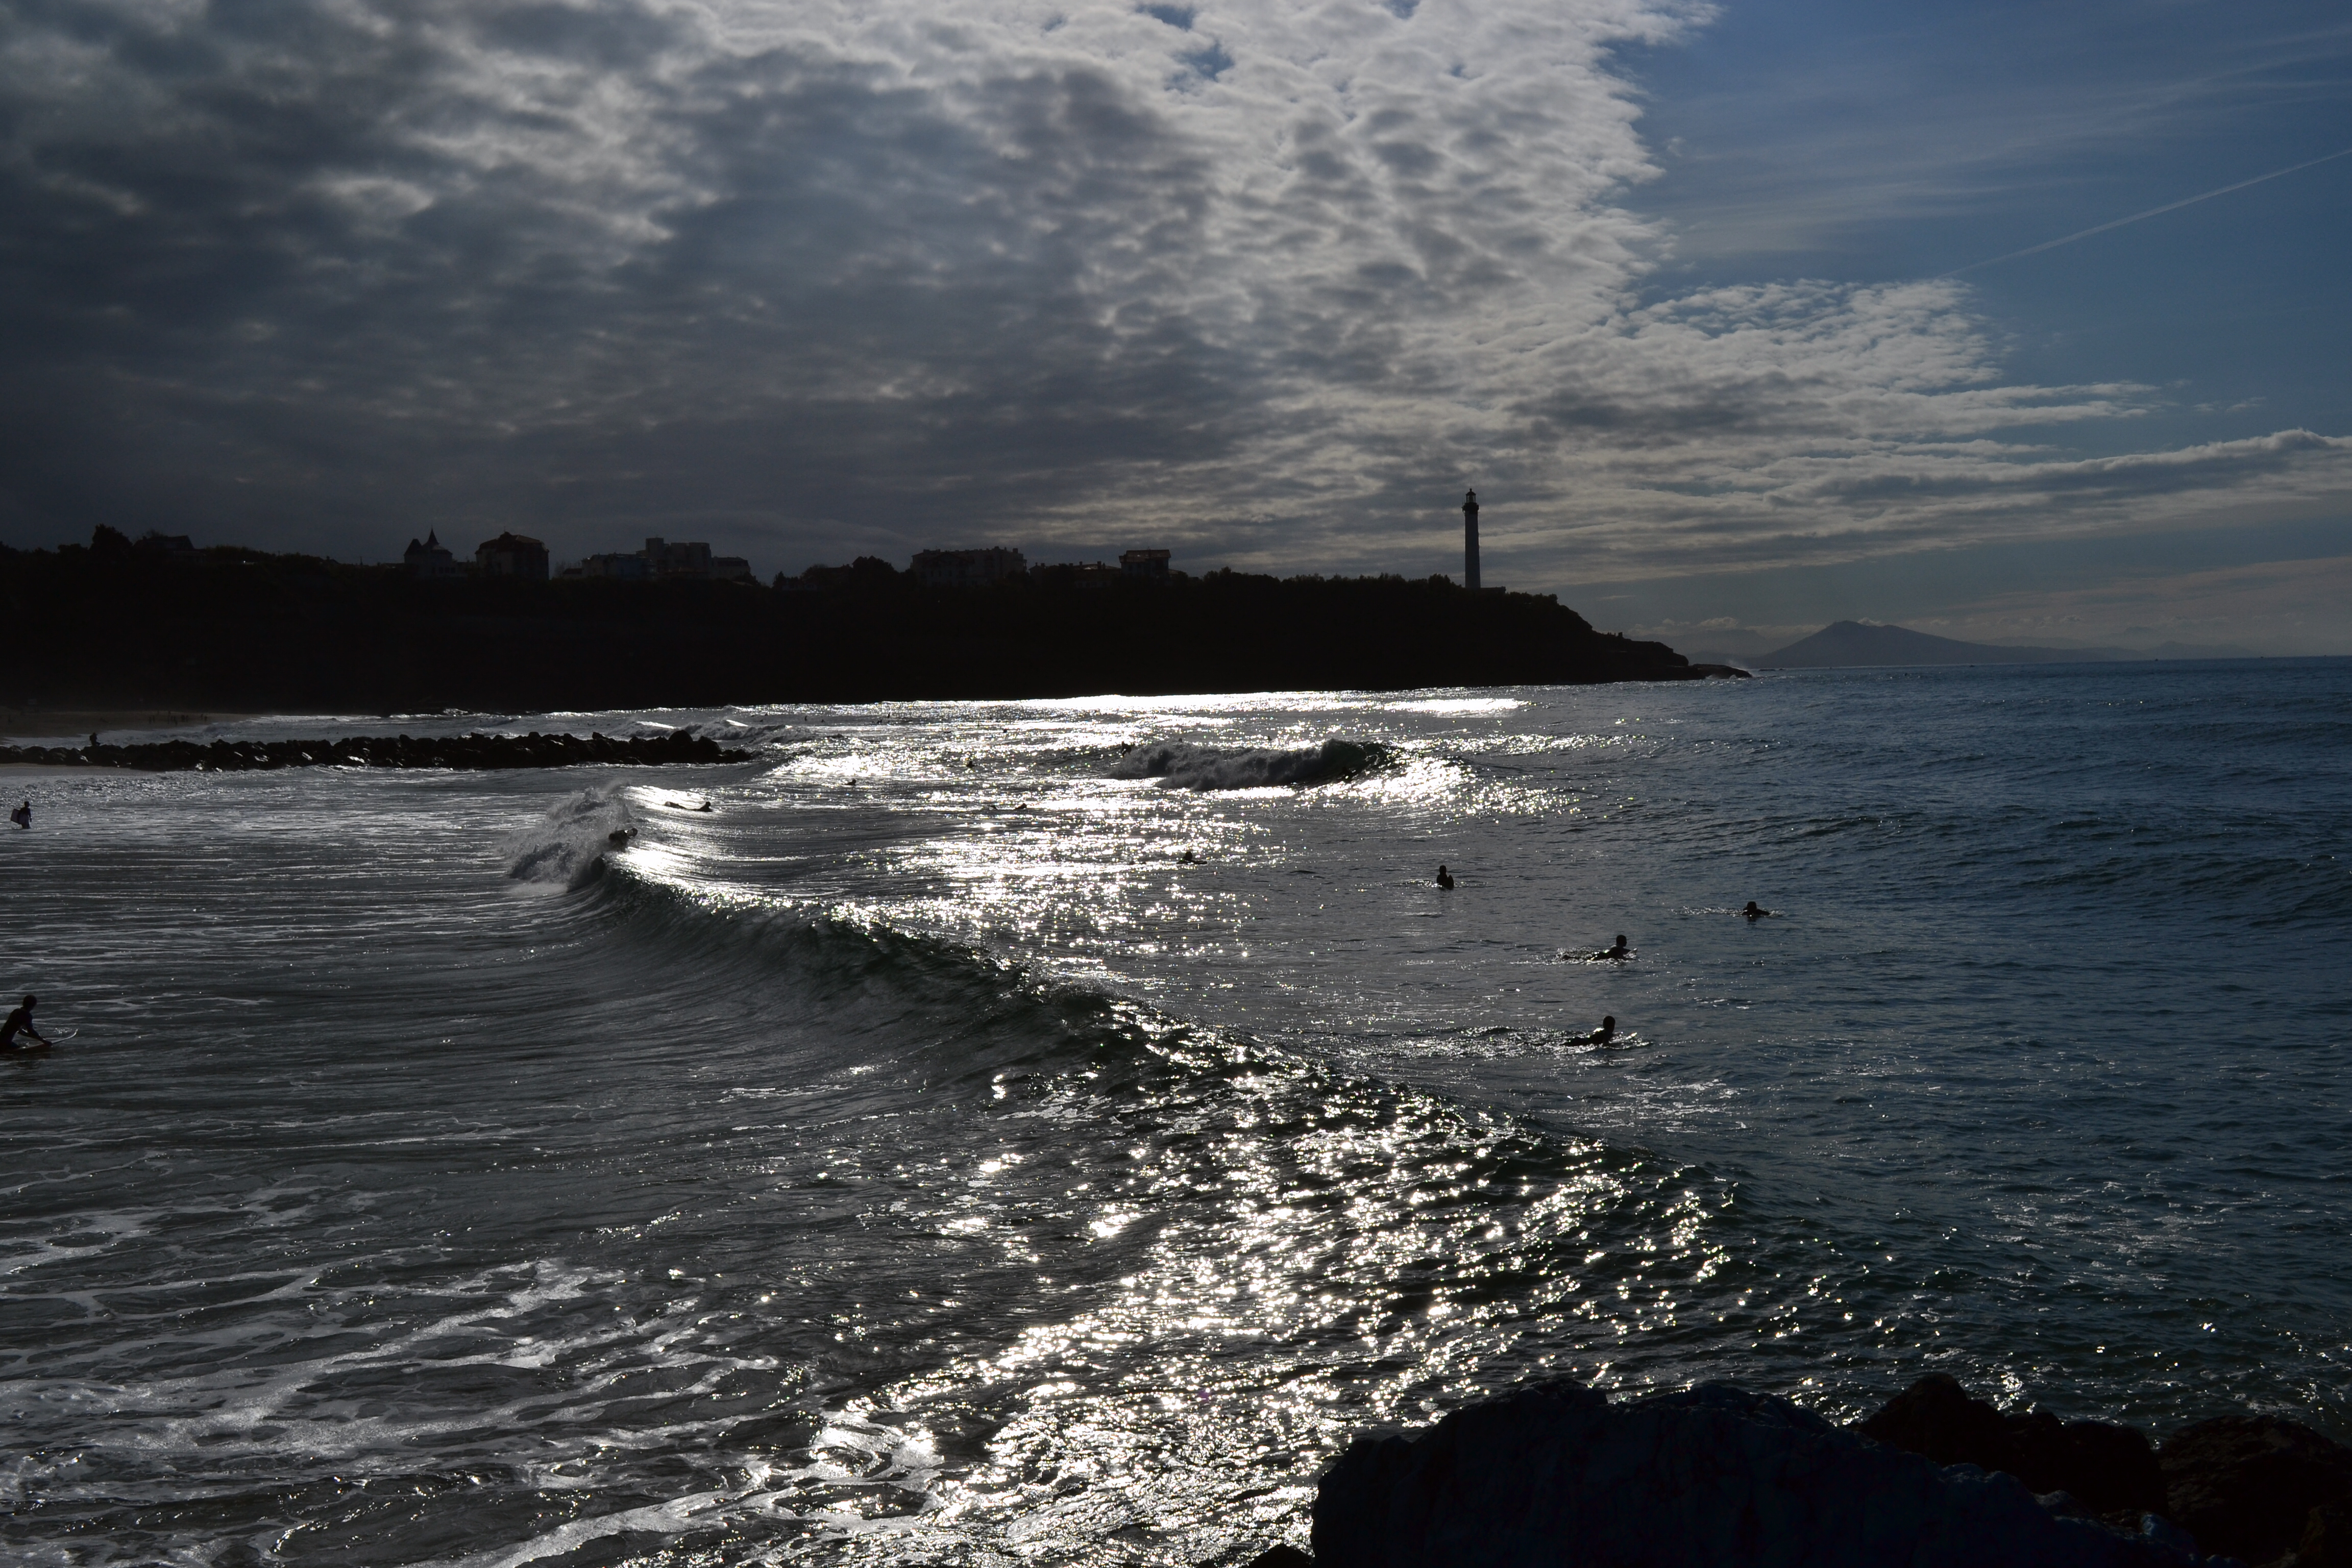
[[1444, 877], [1605, 1034], [20, 1022], [1752, 913], [23, 815], [1599, 953]]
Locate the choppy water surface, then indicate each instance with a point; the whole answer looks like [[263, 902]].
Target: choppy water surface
[[1040, 1134]]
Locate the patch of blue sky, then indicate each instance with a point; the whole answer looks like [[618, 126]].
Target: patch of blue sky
[[1874, 142], [1867, 142]]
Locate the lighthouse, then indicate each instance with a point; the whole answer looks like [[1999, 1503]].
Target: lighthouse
[[1470, 540]]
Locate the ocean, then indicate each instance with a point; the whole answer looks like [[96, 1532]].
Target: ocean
[[1044, 1133]]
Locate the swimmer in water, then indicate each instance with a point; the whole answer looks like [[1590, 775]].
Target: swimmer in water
[[1444, 877], [1605, 1034], [1752, 913]]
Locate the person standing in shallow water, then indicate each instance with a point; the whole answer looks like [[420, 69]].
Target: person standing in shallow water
[[1444, 877]]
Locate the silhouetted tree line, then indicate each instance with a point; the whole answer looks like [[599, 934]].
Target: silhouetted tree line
[[124, 624]]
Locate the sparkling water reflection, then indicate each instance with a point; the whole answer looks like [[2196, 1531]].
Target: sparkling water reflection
[[959, 1146]]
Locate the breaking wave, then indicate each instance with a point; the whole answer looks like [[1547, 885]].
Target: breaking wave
[[1206, 768], [566, 849]]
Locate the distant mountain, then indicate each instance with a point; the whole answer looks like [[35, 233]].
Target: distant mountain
[[1852, 643]]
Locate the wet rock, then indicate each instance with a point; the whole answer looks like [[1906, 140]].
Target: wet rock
[[1555, 1475], [2326, 1537], [2250, 1486], [2109, 1470], [1281, 1557]]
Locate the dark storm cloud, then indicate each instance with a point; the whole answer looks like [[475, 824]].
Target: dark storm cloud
[[812, 279], [357, 270]]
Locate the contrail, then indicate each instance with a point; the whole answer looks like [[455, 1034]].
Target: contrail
[[2152, 212]]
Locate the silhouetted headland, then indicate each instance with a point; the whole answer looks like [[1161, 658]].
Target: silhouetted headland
[[115, 626]]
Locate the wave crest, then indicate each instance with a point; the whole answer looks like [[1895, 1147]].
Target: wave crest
[[566, 849], [1208, 767]]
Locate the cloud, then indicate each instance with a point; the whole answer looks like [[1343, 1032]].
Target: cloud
[[1268, 283]]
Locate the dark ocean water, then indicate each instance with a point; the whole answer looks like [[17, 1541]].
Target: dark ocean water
[[917, 1159]]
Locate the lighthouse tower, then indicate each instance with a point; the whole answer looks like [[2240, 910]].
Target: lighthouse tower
[[1470, 540]]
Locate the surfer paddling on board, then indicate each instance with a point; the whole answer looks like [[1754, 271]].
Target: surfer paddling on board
[[1619, 950], [1444, 878], [1605, 1034], [23, 815], [1752, 913], [20, 1022]]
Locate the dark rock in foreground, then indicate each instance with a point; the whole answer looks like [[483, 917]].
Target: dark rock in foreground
[[1555, 1475], [2258, 1487], [2106, 1468], [463, 751], [1281, 1557]]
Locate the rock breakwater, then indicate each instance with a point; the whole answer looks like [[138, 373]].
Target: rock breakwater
[[473, 751]]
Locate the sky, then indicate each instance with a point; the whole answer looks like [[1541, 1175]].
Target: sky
[[1718, 307]]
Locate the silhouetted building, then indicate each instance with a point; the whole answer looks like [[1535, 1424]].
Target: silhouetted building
[[1150, 564], [660, 558], [966, 568], [684, 559], [170, 546], [512, 555], [1470, 540], [624, 566], [431, 558]]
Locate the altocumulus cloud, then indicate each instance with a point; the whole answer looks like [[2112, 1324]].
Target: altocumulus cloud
[[1267, 281]]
